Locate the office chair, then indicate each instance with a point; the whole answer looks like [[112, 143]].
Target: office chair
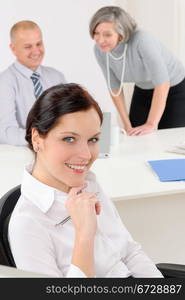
[[171, 270], [7, 204]]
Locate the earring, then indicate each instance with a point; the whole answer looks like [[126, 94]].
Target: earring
[[36, 148]]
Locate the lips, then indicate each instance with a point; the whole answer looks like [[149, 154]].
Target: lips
[[104, 48], [36, 57], [76, 167]]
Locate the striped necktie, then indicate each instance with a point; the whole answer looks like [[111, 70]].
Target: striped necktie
[[37, 85]]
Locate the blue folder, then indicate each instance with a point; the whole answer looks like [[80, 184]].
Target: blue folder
[[169, 169]]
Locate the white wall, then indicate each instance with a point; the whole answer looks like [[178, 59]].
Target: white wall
[[68, 45], [164, 19]]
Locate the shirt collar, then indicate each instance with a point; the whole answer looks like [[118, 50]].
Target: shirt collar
[[39, 193], [25, 71]]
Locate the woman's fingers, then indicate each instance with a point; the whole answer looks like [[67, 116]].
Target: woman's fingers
[[98, 207], [141, 130], [77, 194], [77, 190]]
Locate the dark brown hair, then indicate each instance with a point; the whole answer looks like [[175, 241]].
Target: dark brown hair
[[55, 102]]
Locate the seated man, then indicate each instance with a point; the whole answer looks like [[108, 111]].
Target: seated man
[[23, 81]]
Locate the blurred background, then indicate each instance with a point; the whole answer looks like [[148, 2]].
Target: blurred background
[[69, 48]]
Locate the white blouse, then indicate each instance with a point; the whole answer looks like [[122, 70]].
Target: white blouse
[[40, 244]]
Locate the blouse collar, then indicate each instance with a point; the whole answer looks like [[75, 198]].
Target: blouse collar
[[39, 193], [119, 49]]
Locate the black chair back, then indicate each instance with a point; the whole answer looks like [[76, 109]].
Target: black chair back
[[7, 204]]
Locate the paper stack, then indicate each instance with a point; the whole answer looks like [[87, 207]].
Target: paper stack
[[179, 149]]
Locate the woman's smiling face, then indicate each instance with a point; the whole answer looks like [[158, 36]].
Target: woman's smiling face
[[67, 152], [106, 36]]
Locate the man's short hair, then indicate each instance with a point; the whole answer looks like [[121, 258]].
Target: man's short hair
[[24, 25]]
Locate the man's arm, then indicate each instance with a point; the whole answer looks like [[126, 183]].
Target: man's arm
[[10, 132]]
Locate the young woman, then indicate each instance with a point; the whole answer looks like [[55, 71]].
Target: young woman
[[127, 54], [63, 224]]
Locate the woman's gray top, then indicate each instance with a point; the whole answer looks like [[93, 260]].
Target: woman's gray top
[[148, 63]]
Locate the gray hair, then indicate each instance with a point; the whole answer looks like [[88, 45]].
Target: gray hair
[[124, 24]]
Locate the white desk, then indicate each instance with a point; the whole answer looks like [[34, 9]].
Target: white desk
[[11, 272], [126, 175], [154, 212]]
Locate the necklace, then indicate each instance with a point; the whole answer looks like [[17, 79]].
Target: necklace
[[123, 56]]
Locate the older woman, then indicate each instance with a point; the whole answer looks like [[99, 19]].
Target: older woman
[[58, 226], [127, 54]]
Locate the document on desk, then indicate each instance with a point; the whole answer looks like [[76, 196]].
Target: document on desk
[[169, 169], [178, 149]]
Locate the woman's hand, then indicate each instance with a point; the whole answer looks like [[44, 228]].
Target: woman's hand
[[126, 129], [83, 208], [141, 130]]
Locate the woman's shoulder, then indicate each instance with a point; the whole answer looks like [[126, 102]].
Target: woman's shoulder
[[91, 181], [144, 37], [25, 212], [140, 34], [93, 184], [143, 40]]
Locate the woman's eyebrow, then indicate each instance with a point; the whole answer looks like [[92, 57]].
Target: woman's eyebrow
[[76, 134], [69, 132], [97, 133]]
